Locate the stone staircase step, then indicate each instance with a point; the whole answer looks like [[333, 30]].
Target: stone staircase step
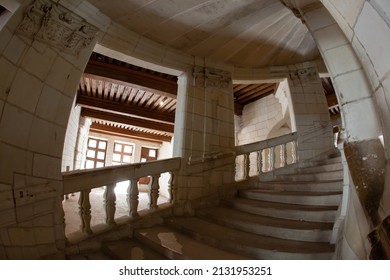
[[321, 176], [249, 244], [313, 213], [322, 168], [323, 161], [293, 197], [268, 226], [175, 245], [128, 249], [310, 186]]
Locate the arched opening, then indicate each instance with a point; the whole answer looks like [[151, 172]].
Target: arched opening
[[123, 114]]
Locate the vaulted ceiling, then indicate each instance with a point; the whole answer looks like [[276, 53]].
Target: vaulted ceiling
[[244, 33], [123, 99]]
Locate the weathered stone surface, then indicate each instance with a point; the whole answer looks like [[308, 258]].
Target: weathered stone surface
[[366, 162]]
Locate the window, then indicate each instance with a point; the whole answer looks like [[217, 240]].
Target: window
[[123, 153], [147, 154], [96, 153]]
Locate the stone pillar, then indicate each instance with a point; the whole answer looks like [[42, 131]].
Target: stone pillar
[[204, 132], [313, 126], [40, 67]]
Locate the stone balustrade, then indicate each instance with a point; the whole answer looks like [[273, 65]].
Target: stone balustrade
[[84, 181], [265, 156]]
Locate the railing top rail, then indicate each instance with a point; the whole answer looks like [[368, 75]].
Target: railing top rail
[[272, 142], [92, 178]]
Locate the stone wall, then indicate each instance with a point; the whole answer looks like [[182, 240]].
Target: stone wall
[[39, 77], [264, 118], [358, 20]]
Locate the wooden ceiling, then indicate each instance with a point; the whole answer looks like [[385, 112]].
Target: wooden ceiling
[[248, 93], [135, 102], [126, 100]]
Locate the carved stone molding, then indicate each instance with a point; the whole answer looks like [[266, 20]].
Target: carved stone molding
[[302, 76], [211, 77], [56, 26]]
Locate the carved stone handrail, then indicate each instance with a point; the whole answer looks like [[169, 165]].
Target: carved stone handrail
[[287, 154], [272, 142], [84, 180]]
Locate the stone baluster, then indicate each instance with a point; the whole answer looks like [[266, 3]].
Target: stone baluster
[[109, 204], [85, 211], [246, 166], [132, 197], [293, 152], [283, 155], [154, 187], [172, 187], [271, 158], [260, 162]]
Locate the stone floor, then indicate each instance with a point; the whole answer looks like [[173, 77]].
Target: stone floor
[[71, 207]]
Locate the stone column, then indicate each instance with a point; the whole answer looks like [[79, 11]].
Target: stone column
[[313, 126], [204, 131]]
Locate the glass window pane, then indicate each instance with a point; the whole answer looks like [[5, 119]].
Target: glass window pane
[[143, 159], [118, 147], [91, 153], [126, 159], [102, 145], [92, 143], [128, 149], [116, 157], [89, 164], [101, 155], [152, 153], [99, 164]]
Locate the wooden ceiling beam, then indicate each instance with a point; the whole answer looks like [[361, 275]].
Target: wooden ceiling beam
[[131, 77], [128, 109], [247, 89], [122, 119], [259, 89], [117, 131]]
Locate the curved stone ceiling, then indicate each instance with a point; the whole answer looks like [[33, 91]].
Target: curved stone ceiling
[[244, 33]]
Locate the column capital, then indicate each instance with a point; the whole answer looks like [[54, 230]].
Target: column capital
[[211, 77], [303, 75], [57, 26]]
